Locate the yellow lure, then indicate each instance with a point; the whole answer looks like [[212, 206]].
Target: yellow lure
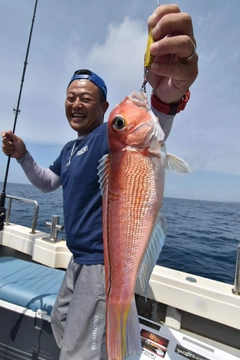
[[148, 58]]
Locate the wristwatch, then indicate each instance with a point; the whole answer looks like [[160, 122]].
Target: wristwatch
[[170, 109]]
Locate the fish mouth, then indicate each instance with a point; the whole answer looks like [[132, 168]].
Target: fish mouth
[[139, 99]]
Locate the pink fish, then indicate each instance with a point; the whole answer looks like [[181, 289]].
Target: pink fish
[[132, 182]]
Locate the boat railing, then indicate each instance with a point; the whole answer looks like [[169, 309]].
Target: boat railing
[[55, 227], [29, 201], [236, 289]]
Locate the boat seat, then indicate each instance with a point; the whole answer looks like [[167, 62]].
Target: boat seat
[[30, 285]]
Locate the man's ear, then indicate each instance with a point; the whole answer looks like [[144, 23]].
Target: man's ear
[[105, 106]]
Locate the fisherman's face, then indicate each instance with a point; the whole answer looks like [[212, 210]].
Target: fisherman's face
[[84, 106]]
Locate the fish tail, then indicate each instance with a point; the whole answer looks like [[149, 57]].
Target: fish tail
[[114, 330], [134, 348], [123, 333]]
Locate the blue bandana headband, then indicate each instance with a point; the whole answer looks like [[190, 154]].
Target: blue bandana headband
[[89, 75]]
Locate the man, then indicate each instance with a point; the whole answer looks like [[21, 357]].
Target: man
[[78, 317]]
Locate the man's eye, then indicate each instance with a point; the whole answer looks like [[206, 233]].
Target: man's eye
[[86, 99]]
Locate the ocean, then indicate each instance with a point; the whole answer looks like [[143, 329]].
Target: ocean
[[202, 239]]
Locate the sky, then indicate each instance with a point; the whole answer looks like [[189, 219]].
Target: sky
[[109, 37]]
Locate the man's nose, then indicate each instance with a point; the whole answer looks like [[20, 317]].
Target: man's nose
[[77, 103]]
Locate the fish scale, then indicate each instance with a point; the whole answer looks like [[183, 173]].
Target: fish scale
[[135, 220]]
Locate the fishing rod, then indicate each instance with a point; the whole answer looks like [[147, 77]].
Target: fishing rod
[[16, 112]]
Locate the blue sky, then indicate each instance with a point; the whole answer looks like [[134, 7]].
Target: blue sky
[[109, 37]]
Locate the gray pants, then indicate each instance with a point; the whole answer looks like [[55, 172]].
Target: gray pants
[[78, 316]]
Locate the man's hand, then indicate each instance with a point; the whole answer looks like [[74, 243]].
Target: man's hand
[[12, 145], [172, 73]]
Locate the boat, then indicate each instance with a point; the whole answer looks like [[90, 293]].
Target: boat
[[182, 316]]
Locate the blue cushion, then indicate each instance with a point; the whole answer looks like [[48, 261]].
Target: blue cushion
[[32, 286]]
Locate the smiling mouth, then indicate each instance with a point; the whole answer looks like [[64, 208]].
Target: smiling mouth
[[79, 116]]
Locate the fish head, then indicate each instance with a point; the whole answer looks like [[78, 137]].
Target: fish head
[[132, 125]]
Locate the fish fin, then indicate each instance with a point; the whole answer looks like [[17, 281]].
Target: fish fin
[[177, 164], [152, 253], [103, 172], [123, 338], [156, 138], [157, 130], [133, 345]]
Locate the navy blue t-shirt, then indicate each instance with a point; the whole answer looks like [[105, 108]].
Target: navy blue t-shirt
[[82, 200]]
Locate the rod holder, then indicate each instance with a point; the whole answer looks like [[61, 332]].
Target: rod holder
[[236, 289], [54, 228]]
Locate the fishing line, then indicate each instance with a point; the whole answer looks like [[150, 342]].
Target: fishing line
[[16, 112]]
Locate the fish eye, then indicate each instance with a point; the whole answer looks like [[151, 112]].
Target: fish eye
[[119, 122]]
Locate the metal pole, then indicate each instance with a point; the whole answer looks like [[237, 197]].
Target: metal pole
[[236, 289], [16, 112]]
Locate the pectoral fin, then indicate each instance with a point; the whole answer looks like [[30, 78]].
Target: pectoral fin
[[176, 164]]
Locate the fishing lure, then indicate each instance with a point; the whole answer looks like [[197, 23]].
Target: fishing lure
[[148, 59]]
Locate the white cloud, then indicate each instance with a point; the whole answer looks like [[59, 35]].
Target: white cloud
[[119, 59]]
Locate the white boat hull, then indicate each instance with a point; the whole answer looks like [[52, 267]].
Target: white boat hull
[[197, 317]]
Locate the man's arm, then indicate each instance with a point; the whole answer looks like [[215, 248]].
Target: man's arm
[[44, 179]]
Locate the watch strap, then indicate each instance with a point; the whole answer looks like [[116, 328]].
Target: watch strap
[[170, 109]]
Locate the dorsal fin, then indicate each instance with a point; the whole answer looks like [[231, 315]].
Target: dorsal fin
[[103, 172]]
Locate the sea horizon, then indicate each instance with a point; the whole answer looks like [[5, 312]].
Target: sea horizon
[[165, 196]]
